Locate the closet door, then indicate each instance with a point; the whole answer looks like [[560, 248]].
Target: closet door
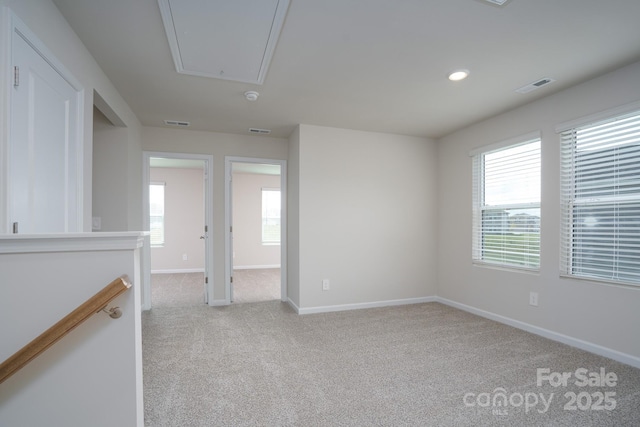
[[44, 152]]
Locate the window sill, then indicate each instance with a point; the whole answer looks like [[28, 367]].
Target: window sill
[[514, 269], [601, 281]]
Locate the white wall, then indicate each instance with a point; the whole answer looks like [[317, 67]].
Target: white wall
[[600, 314], [219, 145], [367, 216], [184, 220], [248, 250], [93, 375], [70, 384], [109, 148], [43, 18]]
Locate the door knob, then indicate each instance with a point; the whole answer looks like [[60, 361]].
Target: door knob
[[202, 237]]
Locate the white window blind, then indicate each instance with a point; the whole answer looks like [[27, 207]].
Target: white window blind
[[156, 213], [506, 206], [600, 198], [271, 215]]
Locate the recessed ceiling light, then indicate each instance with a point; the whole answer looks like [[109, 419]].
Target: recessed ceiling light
[[458, 75]]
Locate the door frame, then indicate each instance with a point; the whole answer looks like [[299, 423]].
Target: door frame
[[228, 255], [208, 219], [15, 27]]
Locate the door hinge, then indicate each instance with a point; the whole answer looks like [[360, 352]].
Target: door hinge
[[16, 76], [231, 229], [206, 280], [15, 228], [206, 228], [231, 279]]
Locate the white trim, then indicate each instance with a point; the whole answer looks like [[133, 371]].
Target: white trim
[[5, 73], [71, 242], [228, 260], [546, 333], [254, 267], [293, 305], [522, 139], [178, 271], [208, 189], [596, 117], [361, 305]]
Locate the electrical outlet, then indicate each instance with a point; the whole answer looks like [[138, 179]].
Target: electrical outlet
[[533, 299], [185, 257], [325, 284]]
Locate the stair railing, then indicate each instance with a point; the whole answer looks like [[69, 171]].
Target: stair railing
[[93, 305]]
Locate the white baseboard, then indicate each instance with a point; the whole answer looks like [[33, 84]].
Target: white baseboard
[[358, 306], [178, 271], [546, 333], [293, 305], [255, 267]]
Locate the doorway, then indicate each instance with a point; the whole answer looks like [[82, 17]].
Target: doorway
[[255, 217], [178, 214]]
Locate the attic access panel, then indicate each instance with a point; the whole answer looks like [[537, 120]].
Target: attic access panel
[[224, 39]]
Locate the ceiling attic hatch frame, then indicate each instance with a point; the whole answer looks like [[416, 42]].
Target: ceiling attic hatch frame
[[223, 39]]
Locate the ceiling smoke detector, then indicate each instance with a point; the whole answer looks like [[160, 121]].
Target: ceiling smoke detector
[[251, 95]]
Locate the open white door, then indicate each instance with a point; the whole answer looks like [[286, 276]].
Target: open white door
[[206, 163], [45, 152], [255, 165]]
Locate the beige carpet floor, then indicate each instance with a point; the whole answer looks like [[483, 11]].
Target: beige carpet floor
[[261, 364], [187, 289]]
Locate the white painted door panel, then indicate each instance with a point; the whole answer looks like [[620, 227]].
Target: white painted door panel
[[43, 148]]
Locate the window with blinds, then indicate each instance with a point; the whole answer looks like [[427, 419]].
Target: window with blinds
[[506, 205], [600, 196], [271, 216], [156, 213]]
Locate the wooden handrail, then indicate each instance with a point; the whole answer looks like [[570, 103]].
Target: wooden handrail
[[49, 337]]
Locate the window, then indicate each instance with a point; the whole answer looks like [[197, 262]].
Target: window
[[600, 199], [270, 216], [506, 204], [156, 213]]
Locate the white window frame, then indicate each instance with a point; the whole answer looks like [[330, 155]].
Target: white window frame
[[571, 264], [268, 242], [479, 206], [156, 244]]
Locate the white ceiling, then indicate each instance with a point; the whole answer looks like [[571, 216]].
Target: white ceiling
[[377, 65]]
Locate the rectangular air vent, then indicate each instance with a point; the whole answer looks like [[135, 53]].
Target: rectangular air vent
[[498, 2], [259, 131], [177, 123], [535, 85]]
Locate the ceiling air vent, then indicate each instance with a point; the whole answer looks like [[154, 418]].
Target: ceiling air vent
[[259, 131], [498, 2], [178, 123], [535, 85]]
